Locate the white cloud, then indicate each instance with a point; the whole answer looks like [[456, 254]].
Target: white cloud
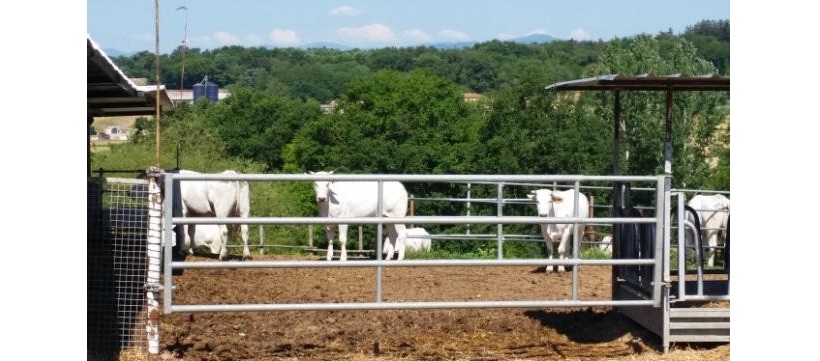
[[579, 34], [344, 11], [538, 31], [374, 33], [285, 37], [223, 39], [416, 35], [453, 35]]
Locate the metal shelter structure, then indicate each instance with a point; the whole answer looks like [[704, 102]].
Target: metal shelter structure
[[118, 219], [111, 93], [673, 324]]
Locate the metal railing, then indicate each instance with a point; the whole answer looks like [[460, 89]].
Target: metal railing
[[379, 264]]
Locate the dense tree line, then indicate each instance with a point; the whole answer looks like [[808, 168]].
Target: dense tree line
[[402, 110], [323, 74]]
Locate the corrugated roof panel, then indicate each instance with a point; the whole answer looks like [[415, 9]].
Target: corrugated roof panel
[[110, 92], [647, 82]]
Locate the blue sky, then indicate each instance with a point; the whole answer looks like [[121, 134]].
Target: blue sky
[[128, 25]]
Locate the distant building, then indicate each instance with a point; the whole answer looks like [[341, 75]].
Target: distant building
[[187, 95], [114, 133], [328, 108], [472, 97]]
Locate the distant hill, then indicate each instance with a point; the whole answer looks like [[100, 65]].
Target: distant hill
[[529, 39], [326, 44], [534, 39]]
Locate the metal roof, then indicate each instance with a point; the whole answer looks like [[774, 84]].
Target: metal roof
[[673, 82], [111, 93]]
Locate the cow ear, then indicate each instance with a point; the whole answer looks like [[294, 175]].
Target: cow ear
[[556, 198], [531, 195]]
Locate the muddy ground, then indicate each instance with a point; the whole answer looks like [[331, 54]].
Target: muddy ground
[[463, 334]]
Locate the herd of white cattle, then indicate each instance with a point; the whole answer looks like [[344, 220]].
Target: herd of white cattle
[[342, 199]]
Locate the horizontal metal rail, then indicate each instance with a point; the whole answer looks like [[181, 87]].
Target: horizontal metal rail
[[400, 305], [430, 178], [411, 263], [408, 220]]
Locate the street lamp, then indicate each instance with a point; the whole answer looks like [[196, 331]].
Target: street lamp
[[184, 46]]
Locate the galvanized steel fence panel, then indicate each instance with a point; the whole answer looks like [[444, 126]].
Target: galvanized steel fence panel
[[658, 220]]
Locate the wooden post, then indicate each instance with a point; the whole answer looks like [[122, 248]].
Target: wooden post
[[310, 236], [360, 238], [261, 239], [412, 208], [590, 229]]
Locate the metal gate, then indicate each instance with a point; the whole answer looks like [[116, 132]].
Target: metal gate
[[655, 222]]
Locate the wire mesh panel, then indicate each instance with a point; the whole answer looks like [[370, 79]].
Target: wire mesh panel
[[116, 241]]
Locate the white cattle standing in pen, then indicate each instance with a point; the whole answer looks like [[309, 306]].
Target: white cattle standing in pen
[[559, 204], [345, 199], [713, 216], [213, 198]]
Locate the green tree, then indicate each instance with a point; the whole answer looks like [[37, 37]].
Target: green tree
[[696, 115], [257, 126], [391, 122]]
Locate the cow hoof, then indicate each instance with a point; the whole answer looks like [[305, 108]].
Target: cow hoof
[[247, 258]]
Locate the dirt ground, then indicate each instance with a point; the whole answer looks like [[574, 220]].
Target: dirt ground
[[464, 334]]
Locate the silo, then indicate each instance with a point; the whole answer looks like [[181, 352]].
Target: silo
[[212, 91], [207, 90], [199, 91]]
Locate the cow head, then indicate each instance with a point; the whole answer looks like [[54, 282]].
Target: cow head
[[321, 187], [545, 200]]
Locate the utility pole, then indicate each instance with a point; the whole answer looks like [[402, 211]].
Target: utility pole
[[184, 47], [159, 94]]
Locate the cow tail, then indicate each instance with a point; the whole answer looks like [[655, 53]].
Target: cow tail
[[243, 206], [243, 199]]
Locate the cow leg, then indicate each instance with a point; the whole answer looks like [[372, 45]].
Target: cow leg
[[562, 246], [389, 248], [246, 251], [547, 245], [398, 236], [187, 245], [184, 233], [343, 242], [329, 230], [223, 239], [712, 244], [549, 268]]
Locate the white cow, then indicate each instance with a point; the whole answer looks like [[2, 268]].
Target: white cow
[[344, 199], [606, 244], [213, 236], [417, 240], [559, 204], [713, 213], [211, 198]]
